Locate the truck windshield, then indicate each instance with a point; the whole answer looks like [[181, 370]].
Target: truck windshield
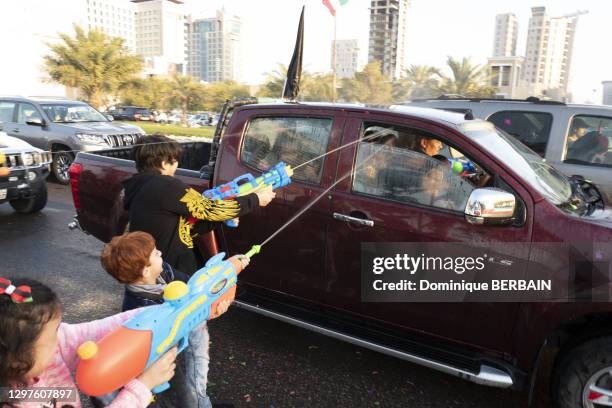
[[547, 180], [65, 113]]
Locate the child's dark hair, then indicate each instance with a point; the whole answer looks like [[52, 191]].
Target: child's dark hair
[[20, 327], [152, 150]]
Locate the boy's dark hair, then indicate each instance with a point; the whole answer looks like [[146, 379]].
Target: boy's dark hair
[[127, 255], [152, 150], [20, 327]]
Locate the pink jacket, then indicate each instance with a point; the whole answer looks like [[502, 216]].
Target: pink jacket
[[134, 395]]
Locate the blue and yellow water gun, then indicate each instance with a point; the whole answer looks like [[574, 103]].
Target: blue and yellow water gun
[[127, 352], [462, 166], [277, 176]]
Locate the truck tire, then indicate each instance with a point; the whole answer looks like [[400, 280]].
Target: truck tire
[[584, 371], [33, 204], [61, 163]]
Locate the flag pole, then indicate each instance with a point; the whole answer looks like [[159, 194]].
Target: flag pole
[[335, 44]]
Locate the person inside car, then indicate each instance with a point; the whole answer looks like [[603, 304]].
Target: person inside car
[[429, 146], [578, 130]]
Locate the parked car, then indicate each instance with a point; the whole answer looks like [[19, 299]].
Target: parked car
[[550, 129], [24, 186], [310, 275], [174, 118], [197, 120], [63, 126], [133, 113]]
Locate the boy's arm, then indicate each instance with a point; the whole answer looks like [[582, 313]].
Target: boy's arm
[[71, 336], [185, 201]]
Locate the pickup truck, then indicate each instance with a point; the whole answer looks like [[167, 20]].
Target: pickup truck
[[23, 170], [310, 274]]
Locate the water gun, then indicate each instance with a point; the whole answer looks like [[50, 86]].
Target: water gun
[[277, 176], [125, 353], [462, 166]]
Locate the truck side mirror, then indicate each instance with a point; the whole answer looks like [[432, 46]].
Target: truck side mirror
[[491, 206], [36, 122], [110, 118]]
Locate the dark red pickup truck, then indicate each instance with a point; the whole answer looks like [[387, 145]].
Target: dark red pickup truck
[[383, 186]]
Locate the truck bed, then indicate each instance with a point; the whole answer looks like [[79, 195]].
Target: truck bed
[[100, 191]]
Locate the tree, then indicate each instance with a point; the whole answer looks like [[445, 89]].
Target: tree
[[317, 87], [148, 92], [368, 86], [93, 62], [275, 82], [467, 79], [422, 80], [219, 92], [187, 94]]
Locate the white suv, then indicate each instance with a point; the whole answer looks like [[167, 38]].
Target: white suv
[[576, 139]]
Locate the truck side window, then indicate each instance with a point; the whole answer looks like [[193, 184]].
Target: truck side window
[[293, 140], [589, 141], [27, 112], [395, 166], [530, 128], [6, 111]]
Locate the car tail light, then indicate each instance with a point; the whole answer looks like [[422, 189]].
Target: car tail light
[[75, 171]]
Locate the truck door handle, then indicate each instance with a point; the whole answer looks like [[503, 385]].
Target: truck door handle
[[16, 130], [355, 220]]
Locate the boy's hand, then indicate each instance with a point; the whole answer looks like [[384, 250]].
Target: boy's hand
[[243, 259], [161, 371], [265, 195], [221, 308]]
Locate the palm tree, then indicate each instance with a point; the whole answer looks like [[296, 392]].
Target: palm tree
[[368, 86], [467, 79], [94, 63], [275, 82], [423, 80], [186, 93]]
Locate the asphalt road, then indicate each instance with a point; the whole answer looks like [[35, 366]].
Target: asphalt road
[[255, 361]]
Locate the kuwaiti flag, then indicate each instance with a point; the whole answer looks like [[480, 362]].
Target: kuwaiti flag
[[330, 5]]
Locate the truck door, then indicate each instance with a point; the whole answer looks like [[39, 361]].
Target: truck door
[[402, 212], [292, 263]]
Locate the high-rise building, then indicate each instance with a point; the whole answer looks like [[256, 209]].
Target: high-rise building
[[506, 32], [114, 17], [607, 92], [215, 48], [548, 58], [161, 35], [388, 35], [347, 58]]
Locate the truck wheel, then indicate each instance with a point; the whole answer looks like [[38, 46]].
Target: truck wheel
[[584, 376], [33, 204], [60, 165]]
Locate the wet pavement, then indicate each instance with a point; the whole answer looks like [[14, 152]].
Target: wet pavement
[[255, 361]]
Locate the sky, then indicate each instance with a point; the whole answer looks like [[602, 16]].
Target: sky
[[436, 29]]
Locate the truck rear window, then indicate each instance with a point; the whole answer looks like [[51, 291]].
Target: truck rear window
[[293, 140]]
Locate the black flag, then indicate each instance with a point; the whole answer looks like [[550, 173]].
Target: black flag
[[294, 72]]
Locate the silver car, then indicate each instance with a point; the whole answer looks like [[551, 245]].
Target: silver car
[[64, 127]]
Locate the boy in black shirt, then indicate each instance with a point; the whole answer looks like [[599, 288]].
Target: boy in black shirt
[[169, 210]]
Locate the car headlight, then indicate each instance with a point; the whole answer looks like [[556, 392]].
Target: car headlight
[[28, 159], [91, 138]]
